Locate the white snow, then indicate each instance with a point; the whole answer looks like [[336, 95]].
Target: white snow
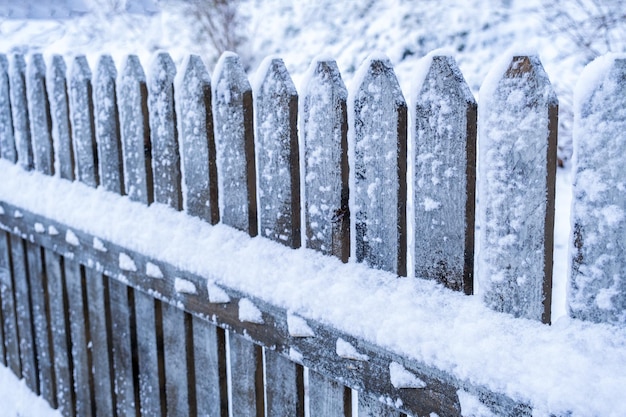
[[52, 231], [153, 270], [216, 294], [22, 401], [347, 351], [249, 312], [295, 356], [184, 286], [401, 378], [39, 228], [298, 327], [99, 245], [126, 263], [71, 238]]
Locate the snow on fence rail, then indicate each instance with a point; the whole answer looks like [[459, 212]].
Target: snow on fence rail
[[113, 305]]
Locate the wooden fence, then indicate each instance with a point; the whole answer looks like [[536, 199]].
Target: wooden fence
[[99, 328]]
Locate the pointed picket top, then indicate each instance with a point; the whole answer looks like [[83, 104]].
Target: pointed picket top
[[7, 141], [444, 161], [81, 115], [163, 132], [19, 111], [197, 146], [38, 109], [378, 135], [324, 129], [234, 141], [107, 126], [517, 125], [135, 131], [597, 290], [276, 110], [59, 113]]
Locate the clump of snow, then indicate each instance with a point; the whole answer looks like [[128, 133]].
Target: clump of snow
[[346, 350], [99, 245], [295, 356], [2, 210], [249, 312], [216, 294], [401, 378], [184, 286], [298, 327], [126, 263], [52, 231], [471, 405], [18, 214], [71, 238], [39, 228], [153, 271]]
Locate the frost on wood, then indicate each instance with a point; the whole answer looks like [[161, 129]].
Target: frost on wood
[[134, 131], [445, 176], [163, 133], [598, 275], [517, 125], [324, 131], [81, 113], [107, 126], [197, 146], [276, 109], [19, 111], [234, 140], [379, 129], [40, 123], [59, 113], [7, 141]]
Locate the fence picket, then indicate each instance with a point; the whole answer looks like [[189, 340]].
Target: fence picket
[[7, 141], [197, 145], [246, 377], [163, 133], [39, 112], [444, 175], [379, 123], [328, 398], [135, 131], [176, 341], [107, 127], [60, 117], [234, 139], [517, 165], [81, 113], [371, 407], [9, 315], [19, 111], [324, 132], [276, 112], [598, 287], [284, 385]]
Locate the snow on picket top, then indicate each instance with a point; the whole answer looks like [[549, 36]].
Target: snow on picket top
[[59, 111], [517, 164], [323, 127], [277, 153], [570, 366], [377, 118], [197, 147], [234, 141], [81, 115], [597, 290], [39, 116], [134, 130], [444, 158], [19, 111], [107, 127], [163, 132], [7, 141]]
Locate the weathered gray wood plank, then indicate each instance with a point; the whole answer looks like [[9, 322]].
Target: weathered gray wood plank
[[39, 112], [325, 134], [445, 176], [7, 141], [107, 127], [60, 116], [284, 386], [276, 111], [135, 131], [234, 138], [23, 308], [518, 122], [163, 133], [97, 289], [246, 377], [598, 265], [9, 316], [379, 123], [41, 323], [372, 407], [196, 141], [19, 111], [83, 132], [176, 342], [328, 398], [60, 332]]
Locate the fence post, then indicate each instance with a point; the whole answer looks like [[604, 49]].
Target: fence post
[[19, 108], [598, 268], [378, 115], [517, 131], [325, 136], [7, 141], [59, 113], [234, 139], [444, 138], [197, 144]]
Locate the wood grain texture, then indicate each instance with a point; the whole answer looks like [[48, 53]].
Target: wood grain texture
[[7, 288]]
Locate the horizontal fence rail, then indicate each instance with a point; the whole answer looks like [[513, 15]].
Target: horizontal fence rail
[[98, 328]]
